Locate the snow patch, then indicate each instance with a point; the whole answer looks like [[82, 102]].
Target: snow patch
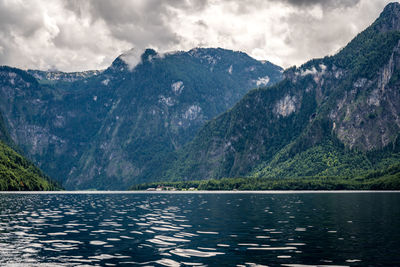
[[106, 82], [177, 87], [230, 69], [262, 81]]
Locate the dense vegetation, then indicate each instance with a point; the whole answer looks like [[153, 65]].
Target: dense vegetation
[[18, 174], [385, 179], [326, 166]]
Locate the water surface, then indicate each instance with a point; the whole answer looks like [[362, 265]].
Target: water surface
[[214, 229]]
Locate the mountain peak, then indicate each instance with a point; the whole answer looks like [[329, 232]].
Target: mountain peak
[[392, 6], [389, 19], [132, 57]]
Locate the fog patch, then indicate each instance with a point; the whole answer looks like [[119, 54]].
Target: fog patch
[[132, 57]]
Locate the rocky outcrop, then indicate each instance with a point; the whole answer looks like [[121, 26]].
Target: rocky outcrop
[[367, 116]]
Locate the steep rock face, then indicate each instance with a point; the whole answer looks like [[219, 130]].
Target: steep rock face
[[160, 105], [46, 121], [347, 101], [108, 129], [4, 135], [261, 124], [367, 117]]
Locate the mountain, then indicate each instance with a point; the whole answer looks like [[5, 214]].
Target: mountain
[[111, 128], [51, 76], [16, 172], [49, 121], [338, 116]]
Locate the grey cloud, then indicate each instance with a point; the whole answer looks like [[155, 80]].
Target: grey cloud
[[16, 26], [249, 6], [323, 3], [202, 23], [12, 19], [320, 36], [77, 35], [140, 23], [127, 12]]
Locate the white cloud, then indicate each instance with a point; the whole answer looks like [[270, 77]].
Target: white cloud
[[132, 57], [80, 35], [311, 71]]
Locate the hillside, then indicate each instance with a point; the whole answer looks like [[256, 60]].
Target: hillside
[[338, 116], [16, 172]]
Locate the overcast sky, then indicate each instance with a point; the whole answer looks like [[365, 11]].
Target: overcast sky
[[80, 35]]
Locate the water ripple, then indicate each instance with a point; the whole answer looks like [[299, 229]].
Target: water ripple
[[190, 230]]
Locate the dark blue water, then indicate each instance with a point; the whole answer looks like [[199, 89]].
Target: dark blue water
[[291, 229]]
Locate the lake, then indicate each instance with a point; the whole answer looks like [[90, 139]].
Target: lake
[[198, 229]]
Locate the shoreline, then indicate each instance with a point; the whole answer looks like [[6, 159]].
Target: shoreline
[[202, 192]]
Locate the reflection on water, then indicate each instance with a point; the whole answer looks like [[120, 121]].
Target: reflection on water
[[351, 229]]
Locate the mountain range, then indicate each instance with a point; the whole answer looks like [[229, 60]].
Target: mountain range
[[109, 129]]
